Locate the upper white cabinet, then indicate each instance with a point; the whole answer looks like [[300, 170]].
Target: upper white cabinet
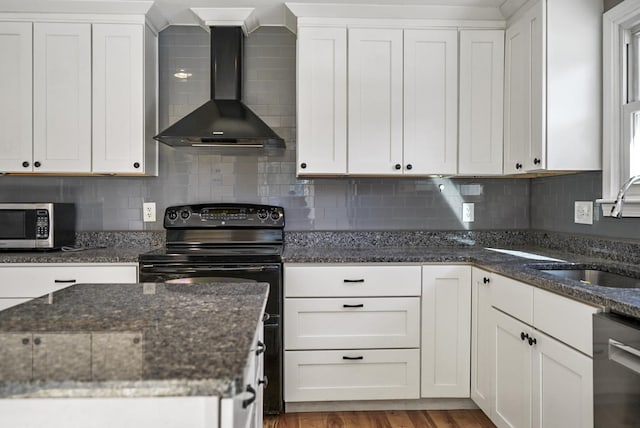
[[61, 97], [383, 100], [552, 87], [430, 102], [375, 101], [16, 79], [80, 96], [322, 100], [481, 102]]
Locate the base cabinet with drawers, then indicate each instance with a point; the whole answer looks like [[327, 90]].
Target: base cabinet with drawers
[[21, 282], [351, 332]]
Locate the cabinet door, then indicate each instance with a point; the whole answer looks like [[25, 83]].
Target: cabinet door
[[481, 340], [62, 97], [322, 101], [536, 150], [446, 330], [512, 377], [430, 102], [562, 385], [16, 78], [62, 356], [375, 101], [481, 101], [118, 98], [15, 356]]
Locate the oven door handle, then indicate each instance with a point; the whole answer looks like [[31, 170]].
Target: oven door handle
[[192, 269], [624, 355]]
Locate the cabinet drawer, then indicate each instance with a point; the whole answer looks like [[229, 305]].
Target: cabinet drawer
[[567, 320], [352, 375], [35, 281], [343, 281], [352, 323], [512, 297]]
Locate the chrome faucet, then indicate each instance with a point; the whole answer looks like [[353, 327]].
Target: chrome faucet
[[616, 210]]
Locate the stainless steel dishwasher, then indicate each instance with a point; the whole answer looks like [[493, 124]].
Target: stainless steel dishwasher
[[616, 371]]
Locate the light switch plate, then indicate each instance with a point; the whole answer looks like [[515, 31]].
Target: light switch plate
[[583, 212], [468, 214]]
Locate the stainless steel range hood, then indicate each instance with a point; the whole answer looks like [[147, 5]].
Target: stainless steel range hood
[[223, 121]]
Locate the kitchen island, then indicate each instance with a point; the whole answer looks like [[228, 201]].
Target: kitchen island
[[150, 354]]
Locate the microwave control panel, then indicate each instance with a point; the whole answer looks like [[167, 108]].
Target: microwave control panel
[[42, 224]]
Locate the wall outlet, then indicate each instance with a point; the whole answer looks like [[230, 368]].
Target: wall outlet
[[149, 211], [468, 215], [583, 212]]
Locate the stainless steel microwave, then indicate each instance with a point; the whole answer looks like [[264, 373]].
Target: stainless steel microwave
[[36, 225]]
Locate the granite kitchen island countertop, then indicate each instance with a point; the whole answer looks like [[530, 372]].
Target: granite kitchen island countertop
[[622, 300], [131, 340]]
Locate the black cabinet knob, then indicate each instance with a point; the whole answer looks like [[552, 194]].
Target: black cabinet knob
[[25, 164], [537, 161], [398, 166], [25, 341], [37, 341], [486, 280], [37, 164], [518, 166], [409, 166], [532, 341], [264, 381], [523, 336], [260, 348], [136, 165], [303, 165]]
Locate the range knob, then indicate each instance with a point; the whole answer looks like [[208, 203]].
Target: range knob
[[262, 215], [275, 215], [172, 215], [185, 214]]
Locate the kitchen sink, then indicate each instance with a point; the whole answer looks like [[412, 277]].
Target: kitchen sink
[[593, 277]]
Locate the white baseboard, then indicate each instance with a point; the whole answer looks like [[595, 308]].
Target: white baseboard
[[345, 406]]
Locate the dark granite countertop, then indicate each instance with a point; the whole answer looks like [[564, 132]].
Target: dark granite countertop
[[88, 255], [114, 340], [625, 301]]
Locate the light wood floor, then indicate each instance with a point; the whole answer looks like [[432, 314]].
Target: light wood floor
[[382, 419]]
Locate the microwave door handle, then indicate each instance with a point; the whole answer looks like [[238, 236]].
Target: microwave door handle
[[624, 355]]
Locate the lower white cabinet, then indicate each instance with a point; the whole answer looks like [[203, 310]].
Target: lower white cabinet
[[446, 331], [541, 369], [482, 339], [25, 281], [351, 332]]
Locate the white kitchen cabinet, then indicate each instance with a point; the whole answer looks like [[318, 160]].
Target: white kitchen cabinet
[[61, 97], [446, 331], [482, 339], [16, 77], [375, 76], [322, 100], [552, 90], [542, 367], [480, 147], [118, 98], [22, 282], [430, 143], [351, 332]]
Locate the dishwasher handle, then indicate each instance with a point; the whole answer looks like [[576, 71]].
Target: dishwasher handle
[[625, 355]]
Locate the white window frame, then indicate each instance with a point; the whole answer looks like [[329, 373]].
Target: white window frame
[[616, 125]]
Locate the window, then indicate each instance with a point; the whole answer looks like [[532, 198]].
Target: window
[[621, 109]]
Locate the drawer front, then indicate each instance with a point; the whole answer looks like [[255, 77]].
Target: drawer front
[[345, 281], [513, 298], [347, 323], [567, 320], [36, 281], [352, 375]]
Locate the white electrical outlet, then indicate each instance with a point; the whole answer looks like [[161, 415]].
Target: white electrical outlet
[[468, 214], [149, 211], [583, 212]]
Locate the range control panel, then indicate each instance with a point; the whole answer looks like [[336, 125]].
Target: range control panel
[[223, 215]]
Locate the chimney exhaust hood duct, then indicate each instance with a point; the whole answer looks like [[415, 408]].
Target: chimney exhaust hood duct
[[223, 121]]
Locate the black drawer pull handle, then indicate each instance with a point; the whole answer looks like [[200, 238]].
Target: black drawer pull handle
[[266, 317], [351, 281], [247, 402], [64, 281], [261, 348], [344, 357], [353, 306]]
